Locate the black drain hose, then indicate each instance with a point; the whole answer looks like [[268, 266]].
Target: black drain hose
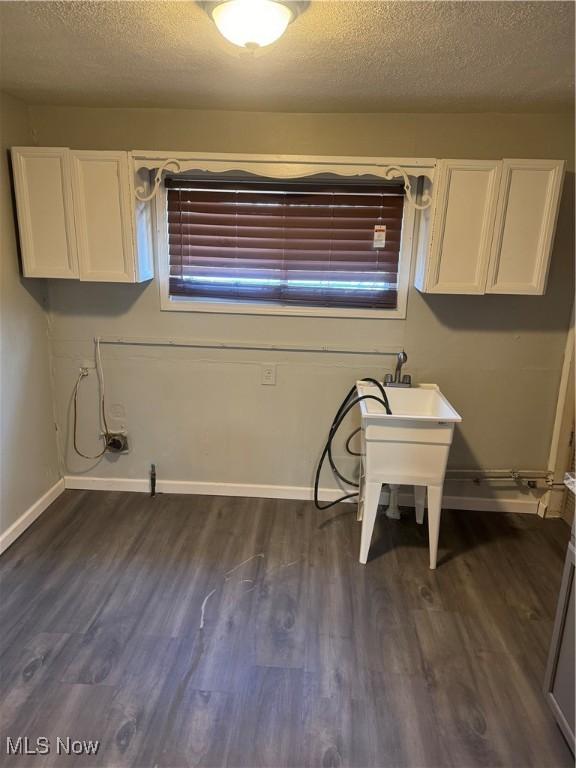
[[341, 414]]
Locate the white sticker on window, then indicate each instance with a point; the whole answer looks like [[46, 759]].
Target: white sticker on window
[[379, 236]]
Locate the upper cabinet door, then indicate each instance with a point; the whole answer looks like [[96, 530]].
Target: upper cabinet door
[[104, 216], [45, 211], [465, 196], [525, 224]]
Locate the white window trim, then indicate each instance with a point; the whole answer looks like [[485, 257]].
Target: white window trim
[[187, 304]]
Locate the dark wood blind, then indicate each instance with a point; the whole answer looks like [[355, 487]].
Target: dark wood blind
[[295, 243]]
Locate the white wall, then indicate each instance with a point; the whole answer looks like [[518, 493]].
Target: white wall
[[29, 459], [203, 415]]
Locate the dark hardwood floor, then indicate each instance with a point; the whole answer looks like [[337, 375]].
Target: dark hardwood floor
[[208, 631]]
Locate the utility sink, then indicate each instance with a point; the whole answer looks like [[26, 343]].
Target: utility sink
[[410, 446]]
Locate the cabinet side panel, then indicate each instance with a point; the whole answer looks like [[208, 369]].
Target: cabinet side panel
[[144, 225], [423, 239], [563, 688], [559, 678]]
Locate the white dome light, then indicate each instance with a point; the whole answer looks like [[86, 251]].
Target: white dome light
[[252, 23]]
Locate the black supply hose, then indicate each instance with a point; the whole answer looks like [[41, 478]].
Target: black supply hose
[[348, 440], [382, 392], [386, 405], [342, 412], [331, 461], [359, 429]]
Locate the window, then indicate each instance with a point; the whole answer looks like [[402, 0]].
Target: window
[[300, 246]]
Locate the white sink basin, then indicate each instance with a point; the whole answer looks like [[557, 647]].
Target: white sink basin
[[422, 403]]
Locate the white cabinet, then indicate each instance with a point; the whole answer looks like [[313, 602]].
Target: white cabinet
[[103, 219], [525, 224], [78, 218], [45, 211], [491, 227], [464, 206]]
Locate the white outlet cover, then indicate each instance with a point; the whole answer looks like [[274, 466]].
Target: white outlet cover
[[268, 374]]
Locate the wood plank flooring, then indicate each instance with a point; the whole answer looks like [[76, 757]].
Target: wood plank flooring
[[188, 631]]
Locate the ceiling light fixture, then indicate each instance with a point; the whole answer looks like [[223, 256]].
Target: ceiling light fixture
[[253, 23]]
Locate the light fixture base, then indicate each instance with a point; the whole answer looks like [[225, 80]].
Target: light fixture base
[[296, 6], [232, 18]]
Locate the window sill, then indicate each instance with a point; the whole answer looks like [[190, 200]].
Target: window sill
[[176, 304]]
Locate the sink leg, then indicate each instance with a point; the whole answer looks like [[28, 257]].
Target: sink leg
[[370, 510], [393, 511], [384, 496], [419, 502], [434, 511]]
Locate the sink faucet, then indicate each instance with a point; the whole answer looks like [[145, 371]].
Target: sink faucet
[[400, 360], [399, 380]]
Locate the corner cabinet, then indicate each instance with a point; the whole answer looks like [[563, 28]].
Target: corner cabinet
[[77, 216], [490, 228]]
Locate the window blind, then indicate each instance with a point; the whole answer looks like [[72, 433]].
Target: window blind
[[294, 243]]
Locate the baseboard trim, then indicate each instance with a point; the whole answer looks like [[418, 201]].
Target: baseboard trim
[[32, 513], [481, 504], [295, 492], [199, 488], [82, 483]]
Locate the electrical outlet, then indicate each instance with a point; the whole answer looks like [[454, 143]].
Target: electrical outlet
[[268, 375]]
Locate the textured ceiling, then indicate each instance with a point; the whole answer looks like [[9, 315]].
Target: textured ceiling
[[337, 57]]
